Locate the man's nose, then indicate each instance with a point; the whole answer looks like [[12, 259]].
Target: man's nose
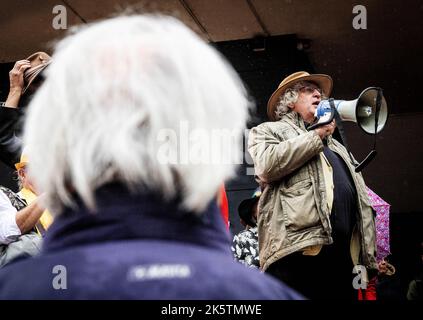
[[316, 94]]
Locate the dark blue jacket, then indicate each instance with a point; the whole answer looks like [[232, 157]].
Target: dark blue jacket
[[137, 247]]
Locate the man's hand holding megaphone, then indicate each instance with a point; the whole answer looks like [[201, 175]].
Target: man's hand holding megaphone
[[326, 129]]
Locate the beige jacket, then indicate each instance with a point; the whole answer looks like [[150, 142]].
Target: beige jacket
[[294, 207]]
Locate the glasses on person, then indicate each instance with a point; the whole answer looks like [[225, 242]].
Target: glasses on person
[[310, 89]]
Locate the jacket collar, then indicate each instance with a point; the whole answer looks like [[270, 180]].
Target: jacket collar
[[294, 118], [121, 215]]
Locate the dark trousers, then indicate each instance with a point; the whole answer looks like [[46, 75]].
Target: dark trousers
[[325, 276]]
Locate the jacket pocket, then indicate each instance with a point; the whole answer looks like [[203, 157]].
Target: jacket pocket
[[299, 206]]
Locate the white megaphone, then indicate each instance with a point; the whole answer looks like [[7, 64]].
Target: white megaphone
[[361, 110]]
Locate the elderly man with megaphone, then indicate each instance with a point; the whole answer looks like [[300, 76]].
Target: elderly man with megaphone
[[316, 223]]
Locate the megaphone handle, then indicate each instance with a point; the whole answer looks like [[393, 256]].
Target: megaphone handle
[[366, 161]]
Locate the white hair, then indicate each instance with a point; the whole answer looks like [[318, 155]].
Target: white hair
[[287, 99], [110, 91]]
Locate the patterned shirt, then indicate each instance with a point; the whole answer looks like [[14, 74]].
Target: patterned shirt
[[245, 248], [10, 203]]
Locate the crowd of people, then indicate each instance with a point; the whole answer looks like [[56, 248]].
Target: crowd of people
[[128, 226]]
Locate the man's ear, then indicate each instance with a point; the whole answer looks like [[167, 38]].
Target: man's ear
[[21, 173]]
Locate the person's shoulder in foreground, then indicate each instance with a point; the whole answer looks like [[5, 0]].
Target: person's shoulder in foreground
[[154, 261], [47, 278]]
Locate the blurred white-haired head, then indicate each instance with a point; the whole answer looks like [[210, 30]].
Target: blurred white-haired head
[[120, 102]]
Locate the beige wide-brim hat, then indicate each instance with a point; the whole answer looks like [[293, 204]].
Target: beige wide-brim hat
[[39, 61], [322, 80]]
